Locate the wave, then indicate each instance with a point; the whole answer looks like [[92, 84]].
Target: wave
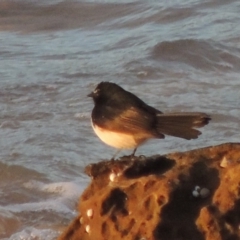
[[199, 54], [30, 17]]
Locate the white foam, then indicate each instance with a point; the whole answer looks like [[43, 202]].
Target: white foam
[[64, 199], [31, 233]]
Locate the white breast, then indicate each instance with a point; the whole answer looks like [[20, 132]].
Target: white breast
[[115, 139]]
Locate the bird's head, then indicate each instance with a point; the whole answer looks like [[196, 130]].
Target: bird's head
[[105, 91]]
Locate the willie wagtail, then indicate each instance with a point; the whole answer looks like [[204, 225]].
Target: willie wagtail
[[123, 121]]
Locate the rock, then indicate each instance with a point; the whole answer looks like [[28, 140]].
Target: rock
[[152, 198]]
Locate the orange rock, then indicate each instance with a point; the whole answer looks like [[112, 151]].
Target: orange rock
[[151, 198]]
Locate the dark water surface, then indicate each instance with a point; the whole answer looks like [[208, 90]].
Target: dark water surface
[[175, 55]]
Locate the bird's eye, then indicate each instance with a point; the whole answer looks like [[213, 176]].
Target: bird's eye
[[96, 91]]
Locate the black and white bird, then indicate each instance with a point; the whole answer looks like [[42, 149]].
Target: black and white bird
[[122, 120]]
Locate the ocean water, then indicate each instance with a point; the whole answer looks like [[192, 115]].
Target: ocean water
[[175, 55]]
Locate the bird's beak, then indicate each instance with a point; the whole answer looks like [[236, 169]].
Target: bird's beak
[[90, 94]]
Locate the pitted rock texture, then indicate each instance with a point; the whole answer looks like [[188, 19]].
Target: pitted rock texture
[[151, 198]]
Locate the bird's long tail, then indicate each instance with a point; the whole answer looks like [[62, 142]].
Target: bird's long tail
[[182, 125]]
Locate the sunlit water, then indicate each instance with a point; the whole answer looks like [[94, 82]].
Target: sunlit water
[[175, 55]]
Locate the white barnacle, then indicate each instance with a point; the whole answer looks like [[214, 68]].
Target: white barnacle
[[204, 192], [224, 162], [90, 213], [87, 229], [81, 220], [197, 188], [195, 193], [112, 177]]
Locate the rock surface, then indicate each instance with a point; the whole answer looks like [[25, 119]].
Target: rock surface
[[179, 196]]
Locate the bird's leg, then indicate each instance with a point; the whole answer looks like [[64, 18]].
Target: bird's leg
[[118, 151], [133, 154]]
